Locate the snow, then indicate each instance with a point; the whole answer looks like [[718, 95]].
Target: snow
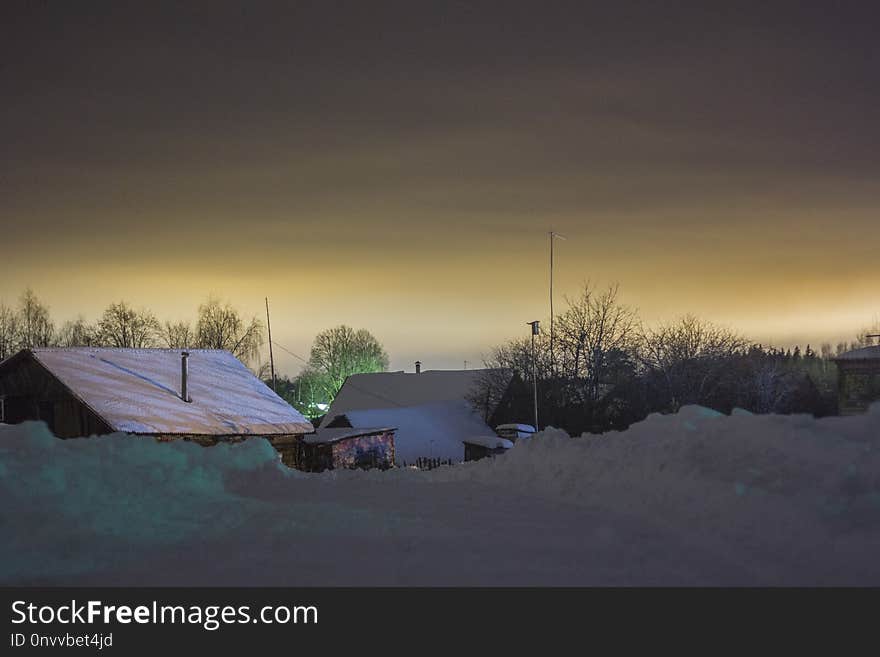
[[695, 498], [400, 389], [490, 442], [864, 353], [138, 391], [425, 431], [515, 431], [521, 428]]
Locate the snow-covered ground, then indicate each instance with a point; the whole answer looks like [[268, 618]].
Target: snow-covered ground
[[692, 499]]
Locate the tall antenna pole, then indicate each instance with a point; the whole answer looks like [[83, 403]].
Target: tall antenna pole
[[553, 236], [552, 354], [271, 356]]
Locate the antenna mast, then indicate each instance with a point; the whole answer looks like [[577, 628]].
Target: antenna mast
[[271, 357], [553, 235]]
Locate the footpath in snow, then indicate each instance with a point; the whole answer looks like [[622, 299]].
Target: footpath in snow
[[695, 498]]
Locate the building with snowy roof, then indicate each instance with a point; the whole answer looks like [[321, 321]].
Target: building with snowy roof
[[343, 447], [858, 379], [433, 412], [206, 395]]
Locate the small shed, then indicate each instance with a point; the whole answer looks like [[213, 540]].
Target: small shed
[[480, 447], [329, 449], [858, 379], [203, 395]]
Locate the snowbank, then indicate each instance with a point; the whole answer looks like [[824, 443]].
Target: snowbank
[[692, 498]]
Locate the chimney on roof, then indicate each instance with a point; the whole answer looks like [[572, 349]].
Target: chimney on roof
[[418, 367], [184, 375]]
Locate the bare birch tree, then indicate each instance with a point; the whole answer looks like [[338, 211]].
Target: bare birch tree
[[220, 326], [33, 323], [123, 326]]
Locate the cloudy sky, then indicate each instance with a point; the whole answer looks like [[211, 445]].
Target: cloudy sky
[[397, 166]]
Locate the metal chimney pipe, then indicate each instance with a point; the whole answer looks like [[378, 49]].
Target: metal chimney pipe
[[184, 374], [418, 367]]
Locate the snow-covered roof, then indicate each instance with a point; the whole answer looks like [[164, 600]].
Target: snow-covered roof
[[432, 410], [425, 431], [334, 435], [489, 442], [865, 353], [400, 389], [138, 391], [516, 428]]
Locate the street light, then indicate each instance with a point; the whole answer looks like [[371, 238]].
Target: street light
[[535, 325]]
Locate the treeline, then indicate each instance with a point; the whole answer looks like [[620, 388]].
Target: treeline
[[217, 326], [604, 369]]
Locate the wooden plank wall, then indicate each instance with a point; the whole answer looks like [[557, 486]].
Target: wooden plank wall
[[32, 393]]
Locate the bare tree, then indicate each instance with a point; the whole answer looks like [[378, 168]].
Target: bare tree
[[597, 334], [595, 345], [220, 326], [78, 333], [689, 355], [341, 351], [177, 335], [34, 326], [123, 326], [8, 332]]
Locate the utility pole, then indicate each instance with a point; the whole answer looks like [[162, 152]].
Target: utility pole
[[535, 324], [553, 236], [271, 356]]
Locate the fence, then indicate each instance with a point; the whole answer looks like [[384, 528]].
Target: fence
[[425, 463]]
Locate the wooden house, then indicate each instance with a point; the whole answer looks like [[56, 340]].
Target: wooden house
[[204, 395], [858, 379], [330, 449], [433, 411]]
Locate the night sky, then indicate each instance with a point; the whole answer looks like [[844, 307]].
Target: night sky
[[397, 167]]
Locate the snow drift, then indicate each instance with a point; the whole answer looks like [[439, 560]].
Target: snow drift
[[695, 498]]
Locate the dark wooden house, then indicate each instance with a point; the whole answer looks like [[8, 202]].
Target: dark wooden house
[[339, 448], [204, 395], [858, 379]]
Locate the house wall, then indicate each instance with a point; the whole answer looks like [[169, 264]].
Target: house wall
[[858, 386], [30, 392], [364, 451], [288, 447], [373, 451]]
